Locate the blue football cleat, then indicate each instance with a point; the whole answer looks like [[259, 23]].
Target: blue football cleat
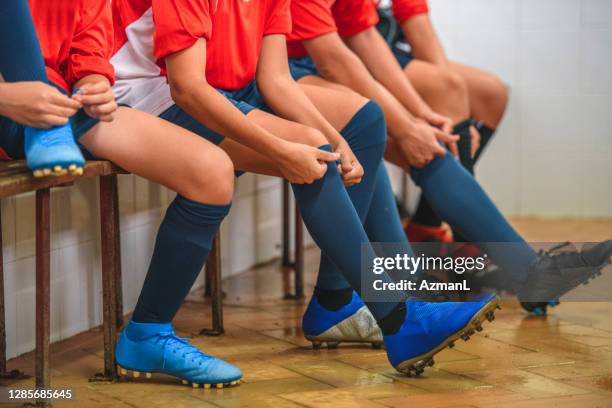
[[52, 151], [161, 351], [431, 327], [352, 323]]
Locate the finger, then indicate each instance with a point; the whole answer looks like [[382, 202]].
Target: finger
[[59, 111], [475, 140], [326, 156], [107, 118], [437, 151], [447, 127], [105, 109], [446, 137], [345, 163], [92, 88], [50, 120], [454, 149], [63, 101], [96, 99]]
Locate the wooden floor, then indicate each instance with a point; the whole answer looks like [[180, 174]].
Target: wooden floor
[[564, 360]]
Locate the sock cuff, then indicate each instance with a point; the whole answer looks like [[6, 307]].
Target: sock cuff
[[366, 128], [138, 331], [183, 209]]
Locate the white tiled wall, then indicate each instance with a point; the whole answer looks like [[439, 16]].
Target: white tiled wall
[[552, 156]]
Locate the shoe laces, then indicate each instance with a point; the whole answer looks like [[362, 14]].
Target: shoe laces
[[182, 346]]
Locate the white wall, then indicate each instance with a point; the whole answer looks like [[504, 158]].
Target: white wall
[[553, 153], [553, 156]]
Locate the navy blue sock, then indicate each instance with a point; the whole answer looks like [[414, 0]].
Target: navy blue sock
[[486, 134], [20, 55], [424, 214], [335, 226], [183, 242], [458, 198], [366, 134]]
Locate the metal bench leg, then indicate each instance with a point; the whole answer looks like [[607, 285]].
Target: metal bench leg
[[109, 240], [213, 277], [286, 261], [114, 193], [42, 289], [3, 373], [299, 255]]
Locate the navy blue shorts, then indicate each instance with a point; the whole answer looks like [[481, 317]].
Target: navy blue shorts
[[245, 99], [301, 67], [402, 54], [11, 133]]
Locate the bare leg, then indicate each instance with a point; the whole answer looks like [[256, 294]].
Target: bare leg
[[488, 95], [442, 88], [164, 153]]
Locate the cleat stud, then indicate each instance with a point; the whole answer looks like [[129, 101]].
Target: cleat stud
[[38, 173], [136, 374], [72, 167], [431, 362], [184, 382], [79, 171], [46, 172], [57, 169], [195, 385], [123, 371], [465, 337], [316, 345], [148, 375], [332, 344], [206, 386], [219, 386], [451, 344]]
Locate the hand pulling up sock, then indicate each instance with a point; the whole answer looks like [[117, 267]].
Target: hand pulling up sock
[[48, 151]]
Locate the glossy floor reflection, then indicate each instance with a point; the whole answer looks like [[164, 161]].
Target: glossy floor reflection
[[564, 360]]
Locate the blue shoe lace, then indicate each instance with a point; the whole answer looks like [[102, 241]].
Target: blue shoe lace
[[178, 345]]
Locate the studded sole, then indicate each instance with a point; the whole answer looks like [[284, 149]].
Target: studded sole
[[57, 171], [125, 372], [317, 343], [416, 366]]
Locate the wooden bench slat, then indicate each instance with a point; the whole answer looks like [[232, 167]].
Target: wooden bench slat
[[16, 178]]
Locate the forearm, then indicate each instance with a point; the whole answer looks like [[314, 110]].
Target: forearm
[[380, 61], [423, 40], [288, 100], [212, 109], [4, 108], [354, 75]]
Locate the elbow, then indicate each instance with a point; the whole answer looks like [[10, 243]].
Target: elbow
[[182, 90]]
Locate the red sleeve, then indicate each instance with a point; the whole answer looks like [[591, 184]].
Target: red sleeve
[[179, 24], [405, 9], [311, 19], [92, 43], [278, 19], [354, 16]]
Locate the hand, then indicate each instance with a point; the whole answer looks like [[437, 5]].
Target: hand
[[303, 164], [36, 104], [349, 166], [98, 99], [435, 119], [420, 144], [475, 137]]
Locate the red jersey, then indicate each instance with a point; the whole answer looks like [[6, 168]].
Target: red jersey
[[406, 9], [147, 31], [75, 38], [314, 18]]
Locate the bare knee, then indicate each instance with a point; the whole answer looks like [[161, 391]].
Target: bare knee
[[210, 179], [494, 99], [312, 137], [454, 86]]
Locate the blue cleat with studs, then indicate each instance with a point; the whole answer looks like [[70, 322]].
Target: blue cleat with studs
[[150, 348], [52, 152], [431, 327], [352, 323]]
